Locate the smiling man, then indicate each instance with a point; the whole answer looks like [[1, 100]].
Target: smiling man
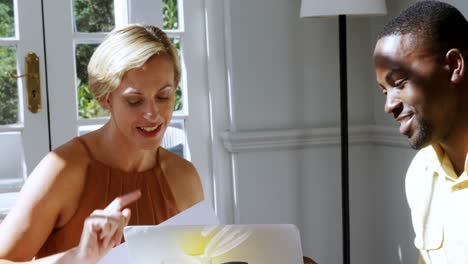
[[420, 66]]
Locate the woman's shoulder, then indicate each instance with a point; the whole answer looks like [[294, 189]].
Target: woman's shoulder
[[51, 194], [64, 172], [183, 178], [74, 150], [48, 200], [173, 162], [63, 162]]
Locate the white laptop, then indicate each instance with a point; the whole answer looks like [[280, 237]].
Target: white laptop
[[214, 244]]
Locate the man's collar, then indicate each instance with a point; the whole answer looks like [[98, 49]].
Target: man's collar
[[438, 151], [466, 164], [437, 158]]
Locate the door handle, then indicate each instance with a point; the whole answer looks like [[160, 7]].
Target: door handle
[[33, 82]]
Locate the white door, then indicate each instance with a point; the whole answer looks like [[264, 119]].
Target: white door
[[24, 136], [72, 30]]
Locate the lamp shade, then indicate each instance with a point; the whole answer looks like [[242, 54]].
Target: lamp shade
[[315, 8]]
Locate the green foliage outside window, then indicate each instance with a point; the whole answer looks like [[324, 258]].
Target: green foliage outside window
[[170, 14], [8, 86], [178, 93], [7, 27], [90, 18], [94, 15], [88, 107]]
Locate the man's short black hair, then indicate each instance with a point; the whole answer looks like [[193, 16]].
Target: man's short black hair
[[439, 24]]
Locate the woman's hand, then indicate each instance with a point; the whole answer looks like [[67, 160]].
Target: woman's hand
[[103, 229]]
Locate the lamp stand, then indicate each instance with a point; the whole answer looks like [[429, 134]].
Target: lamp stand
[[344, 139]]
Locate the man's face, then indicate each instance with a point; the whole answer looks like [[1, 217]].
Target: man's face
[[416, 84]]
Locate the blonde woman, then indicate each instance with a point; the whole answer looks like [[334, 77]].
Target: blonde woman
[[77, 201]]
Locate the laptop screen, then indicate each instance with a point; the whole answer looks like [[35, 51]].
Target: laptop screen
[[214, 244]]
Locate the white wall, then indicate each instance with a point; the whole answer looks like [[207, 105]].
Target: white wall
[[284, 72], [394, 233], [286, 77]]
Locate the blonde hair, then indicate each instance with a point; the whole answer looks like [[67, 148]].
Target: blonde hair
[[125, 49]]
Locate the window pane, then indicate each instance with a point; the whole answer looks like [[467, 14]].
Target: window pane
[[7, 201], [178, 96], [82, 130], [175, 139], [7, 18], [94, 15], [8, 87], [11, 161], [170, 14], [88, 107], [12, 172]]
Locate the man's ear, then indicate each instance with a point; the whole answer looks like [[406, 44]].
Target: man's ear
[[456, 63]]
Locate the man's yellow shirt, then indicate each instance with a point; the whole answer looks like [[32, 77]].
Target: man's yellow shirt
[[438, 199]]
